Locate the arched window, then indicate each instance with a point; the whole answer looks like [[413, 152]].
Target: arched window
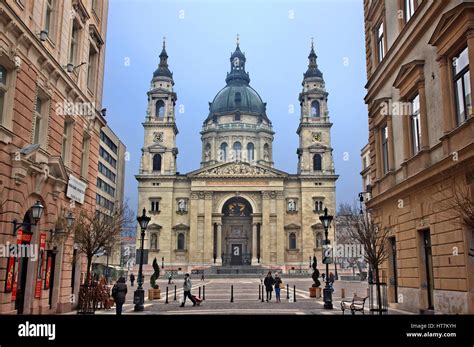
[[154, 241], [237, 155], [181, 241], [223, 152], [157, 162], [315, 109], [319, 240], [250, 152], [317, 162], [160, 109], [292, 241]]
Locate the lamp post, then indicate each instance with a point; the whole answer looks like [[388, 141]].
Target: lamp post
[[327, 293], [139, 295], [107, 253], [36, 213], [162, 262]]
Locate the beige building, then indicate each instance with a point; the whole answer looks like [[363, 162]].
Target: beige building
[[421, 147], [236, 210], [110, 187], [365, 173], [51, 78]]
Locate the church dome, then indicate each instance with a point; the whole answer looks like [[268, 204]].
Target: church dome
[[236, 97]]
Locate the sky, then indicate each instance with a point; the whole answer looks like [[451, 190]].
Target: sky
[[275, 36]]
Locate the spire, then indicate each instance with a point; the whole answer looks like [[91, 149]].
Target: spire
[[163, 70], [237, 72], [313, 70]]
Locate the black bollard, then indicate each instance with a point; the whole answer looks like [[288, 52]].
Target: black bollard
[[287, 291], [199, 292], [232, 293], [259, 293], [263, 289], [294, 293], [203, 292], [166, 302], [175, 293]]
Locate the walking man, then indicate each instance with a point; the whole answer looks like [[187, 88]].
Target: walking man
[[132, 279], [187, 286]]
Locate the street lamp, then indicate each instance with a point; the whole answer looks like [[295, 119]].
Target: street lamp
[[139, 295], [36, 213], [162, 262], [327, 294], [107, 253]]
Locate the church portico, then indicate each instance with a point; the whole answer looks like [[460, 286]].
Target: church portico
[[237, 210]]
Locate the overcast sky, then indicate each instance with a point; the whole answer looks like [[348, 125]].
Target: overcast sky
[[275, 36]]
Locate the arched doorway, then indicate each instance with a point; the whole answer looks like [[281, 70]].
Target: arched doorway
[[24, 235], [237, 232]]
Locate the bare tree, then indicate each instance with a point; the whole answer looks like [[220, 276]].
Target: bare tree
[[462, 202], [94, 231], [373, 239]]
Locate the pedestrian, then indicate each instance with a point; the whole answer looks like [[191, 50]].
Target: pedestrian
[[170, 279], [119, 293], [187, 286], [331, 281], [132, 279], [269, 281], [202, 276], [278, 286], [323, 276]]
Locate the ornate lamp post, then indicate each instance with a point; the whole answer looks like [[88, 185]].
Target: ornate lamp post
[[327, 293], [139, 295], [36, 213]]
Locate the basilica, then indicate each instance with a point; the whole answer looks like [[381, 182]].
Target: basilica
[[236, 210]]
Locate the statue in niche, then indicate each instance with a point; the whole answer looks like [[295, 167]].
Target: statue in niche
[[182, 205], [291, 205]]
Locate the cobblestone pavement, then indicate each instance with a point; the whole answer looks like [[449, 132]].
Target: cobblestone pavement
[[245, 300]]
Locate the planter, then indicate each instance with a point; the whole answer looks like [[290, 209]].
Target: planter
[[154, 294], [314, 292]]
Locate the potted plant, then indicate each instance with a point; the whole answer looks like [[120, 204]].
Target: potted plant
[[315, 291], [154, 292]]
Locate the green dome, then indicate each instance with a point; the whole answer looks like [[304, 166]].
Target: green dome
[[241, 98]]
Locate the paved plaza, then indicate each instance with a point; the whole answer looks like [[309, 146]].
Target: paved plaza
[[245, 299]]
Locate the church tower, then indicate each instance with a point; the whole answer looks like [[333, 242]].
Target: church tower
[[159, 151], [315, 151]]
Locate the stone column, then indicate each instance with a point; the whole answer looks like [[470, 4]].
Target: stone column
[[219, 244], [254, 244]]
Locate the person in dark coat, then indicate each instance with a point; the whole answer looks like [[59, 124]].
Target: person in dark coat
[[278, 286], [132, 279], [269, 282], [331, 280], [119, 293]]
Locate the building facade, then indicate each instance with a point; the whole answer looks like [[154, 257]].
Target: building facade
[[110, 187], [421, 147], [236, 209], [51, 77]]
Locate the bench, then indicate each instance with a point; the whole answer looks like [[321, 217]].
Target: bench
[[356, 304]]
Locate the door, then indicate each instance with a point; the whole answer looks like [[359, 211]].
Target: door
[[236, 258], [50, 269], [429, 267], [394, 277], [21, 284]]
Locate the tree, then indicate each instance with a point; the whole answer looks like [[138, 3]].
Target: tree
[[94, 231], [462, 202], [373, 238]]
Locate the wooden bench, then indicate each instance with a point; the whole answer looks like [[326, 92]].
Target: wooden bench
[[356, 304]]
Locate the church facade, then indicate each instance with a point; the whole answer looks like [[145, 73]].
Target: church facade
[[237, 209]]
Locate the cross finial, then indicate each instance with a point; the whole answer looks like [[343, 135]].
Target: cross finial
[[312, 43], [164, 41], [238, 39]]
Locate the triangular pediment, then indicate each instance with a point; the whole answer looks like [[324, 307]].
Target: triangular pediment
[[57, 168], [318, 146], [237, 169], [156, 147]]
